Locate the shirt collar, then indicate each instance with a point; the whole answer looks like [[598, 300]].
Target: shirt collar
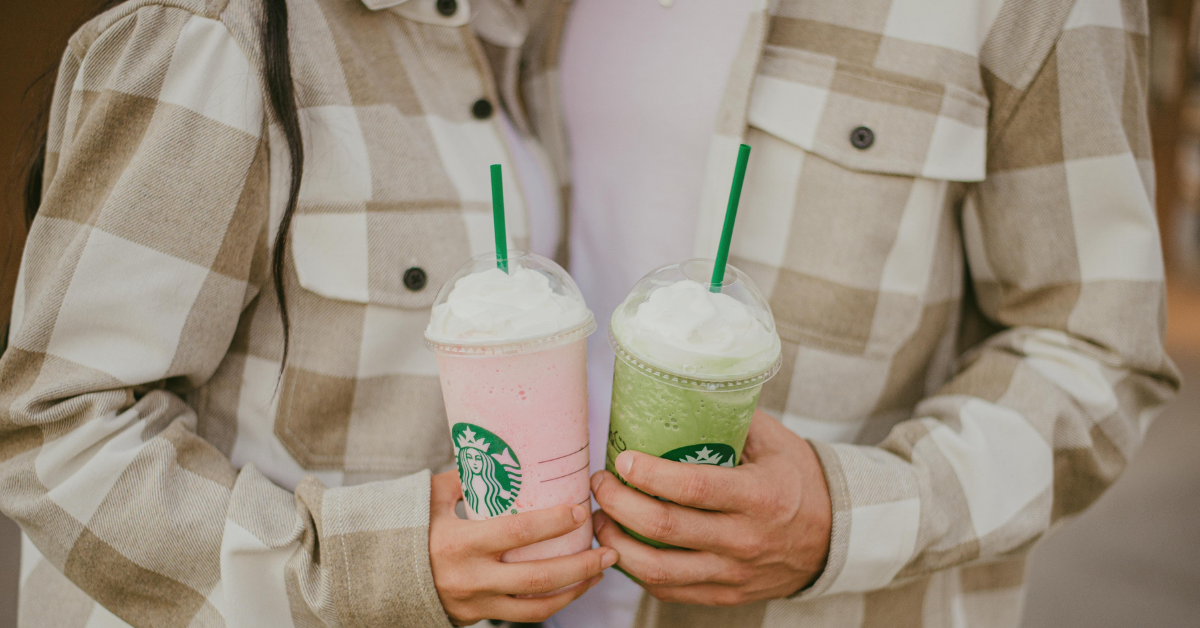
[[424, 11], [499, 22]]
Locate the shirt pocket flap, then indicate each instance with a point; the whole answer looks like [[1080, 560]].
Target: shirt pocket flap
[[392, 258], [870, 120]]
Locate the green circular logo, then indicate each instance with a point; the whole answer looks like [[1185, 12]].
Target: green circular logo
[[488, 468], [716, 454]]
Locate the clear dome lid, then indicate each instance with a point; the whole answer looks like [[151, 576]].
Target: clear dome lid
[[673, 326], [483, 310]]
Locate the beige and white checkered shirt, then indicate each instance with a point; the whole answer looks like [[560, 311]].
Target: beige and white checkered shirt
[[150, 449], [971, 305]]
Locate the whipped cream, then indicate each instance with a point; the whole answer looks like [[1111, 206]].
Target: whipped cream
[[494, 306], [688, 329]]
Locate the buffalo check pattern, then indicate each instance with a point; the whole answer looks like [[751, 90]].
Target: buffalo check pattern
[[164, 471], [986, 275], [971, 307]]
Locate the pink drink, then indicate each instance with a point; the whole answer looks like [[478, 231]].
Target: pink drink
[[511, 349], [536, 403]]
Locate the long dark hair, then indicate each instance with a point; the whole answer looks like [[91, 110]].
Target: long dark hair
[[281, 94]]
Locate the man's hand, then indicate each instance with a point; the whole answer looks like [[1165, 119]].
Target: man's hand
[[761, 530], [472, 582]]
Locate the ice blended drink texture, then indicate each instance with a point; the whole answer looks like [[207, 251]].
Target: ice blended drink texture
[[512, 358], [689, 368], [676, 423]]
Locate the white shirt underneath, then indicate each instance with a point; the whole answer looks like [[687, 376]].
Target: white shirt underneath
[[642, 85]]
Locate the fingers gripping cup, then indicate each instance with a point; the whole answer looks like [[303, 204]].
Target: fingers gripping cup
[[512, 358], [690, 364]]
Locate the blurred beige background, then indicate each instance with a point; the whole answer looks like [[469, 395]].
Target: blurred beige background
[[1131, 560]]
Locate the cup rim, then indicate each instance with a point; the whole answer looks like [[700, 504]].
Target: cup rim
[[517, 346], [689, 381], [523, 344]]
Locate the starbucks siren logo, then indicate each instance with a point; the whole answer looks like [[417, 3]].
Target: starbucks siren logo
[[488, 468], [716, 454]]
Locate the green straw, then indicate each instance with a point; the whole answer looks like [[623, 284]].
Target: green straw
[[498, 219], [735, 195]]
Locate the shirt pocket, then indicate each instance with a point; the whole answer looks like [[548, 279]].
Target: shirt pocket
[[395, 259], [919, 128], [850, 219], [361, 393]]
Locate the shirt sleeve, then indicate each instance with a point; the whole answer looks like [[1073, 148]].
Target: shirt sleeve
[[1067, 275], [149, 244]]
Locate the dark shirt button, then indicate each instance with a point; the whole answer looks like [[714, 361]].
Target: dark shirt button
[[482, 109], [862, 138], [414, 279], [447, 7]]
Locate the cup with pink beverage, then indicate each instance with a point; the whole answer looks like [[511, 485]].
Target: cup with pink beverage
[[510, 341]]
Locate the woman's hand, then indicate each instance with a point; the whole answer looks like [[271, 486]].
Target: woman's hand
[[472, 582]]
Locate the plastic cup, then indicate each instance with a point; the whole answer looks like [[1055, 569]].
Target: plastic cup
[[518, 415], [692, 410]]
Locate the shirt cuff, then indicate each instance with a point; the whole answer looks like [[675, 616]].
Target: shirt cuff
[[876, 515], [376, 539]]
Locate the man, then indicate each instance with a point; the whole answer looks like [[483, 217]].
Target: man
[[949, 204]]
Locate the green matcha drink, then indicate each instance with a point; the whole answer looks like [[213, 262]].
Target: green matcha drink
[[690, 365]]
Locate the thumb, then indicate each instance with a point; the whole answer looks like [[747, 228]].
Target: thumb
[[445, 491], [762, 438]]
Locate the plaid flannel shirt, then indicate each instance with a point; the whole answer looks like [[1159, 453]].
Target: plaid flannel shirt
[[971, 303], [970, 298], [163, 472]]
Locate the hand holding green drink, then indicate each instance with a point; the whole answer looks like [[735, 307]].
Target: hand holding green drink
[[706, 499], [690, 365], [694, 343]]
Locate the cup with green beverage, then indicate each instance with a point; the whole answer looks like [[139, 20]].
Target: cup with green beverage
[[694, 344], [690, 364]]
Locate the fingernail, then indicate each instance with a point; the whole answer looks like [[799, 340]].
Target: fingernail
[[598, 524], [597, 480], [609, 559], [579, 513], [624, 462]]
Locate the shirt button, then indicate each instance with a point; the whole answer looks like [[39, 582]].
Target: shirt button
[[862, 138], [414, 279], [482, 109], [447, 7]]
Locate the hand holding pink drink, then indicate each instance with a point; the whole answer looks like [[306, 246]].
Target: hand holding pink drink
[[512, 358], [510, 335]]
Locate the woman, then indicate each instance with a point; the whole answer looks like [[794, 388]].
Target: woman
[[216, 409]]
